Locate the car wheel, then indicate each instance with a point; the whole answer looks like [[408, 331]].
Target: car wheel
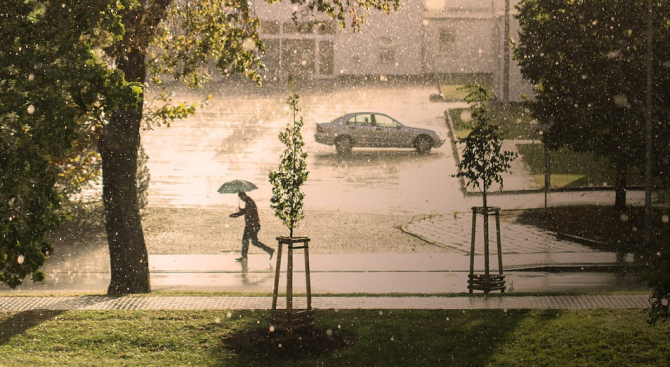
[[344, 145], [423, 144]]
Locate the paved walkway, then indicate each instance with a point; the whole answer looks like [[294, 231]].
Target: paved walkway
[[534, 261], [20, 304]]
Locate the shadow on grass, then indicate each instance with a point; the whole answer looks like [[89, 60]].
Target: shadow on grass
[[382, 338], [18, 323], [260, 343]]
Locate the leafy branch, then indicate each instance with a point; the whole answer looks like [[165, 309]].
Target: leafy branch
[[483, 161], [287, 199]]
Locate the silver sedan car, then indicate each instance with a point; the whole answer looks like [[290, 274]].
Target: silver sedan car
[[372, 129]]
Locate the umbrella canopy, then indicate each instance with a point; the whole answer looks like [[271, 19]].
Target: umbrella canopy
[[235, 186]]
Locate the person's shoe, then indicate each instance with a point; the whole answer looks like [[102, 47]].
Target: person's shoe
[[272, 254], [240, 259]]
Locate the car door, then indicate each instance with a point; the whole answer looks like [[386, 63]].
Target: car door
[[389, 132], [360, 128]]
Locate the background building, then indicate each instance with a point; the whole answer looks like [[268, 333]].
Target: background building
[[442, 38]]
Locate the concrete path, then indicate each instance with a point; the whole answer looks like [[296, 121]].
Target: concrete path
[[19, 304]]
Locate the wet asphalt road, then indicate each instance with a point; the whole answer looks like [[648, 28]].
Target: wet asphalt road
[[235, 137]]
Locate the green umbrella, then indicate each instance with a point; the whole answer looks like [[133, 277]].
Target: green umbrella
[[235, 186]]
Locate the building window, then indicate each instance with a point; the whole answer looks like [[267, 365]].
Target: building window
[[326, 56], [268, 27], [299, 27], [298, 56], [326, 28], [447, 40], [386, 50]]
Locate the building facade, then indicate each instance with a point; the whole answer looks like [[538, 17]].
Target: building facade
[[424, 37]]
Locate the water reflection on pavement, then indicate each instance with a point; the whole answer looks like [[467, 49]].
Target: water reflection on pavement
[[236, 137]]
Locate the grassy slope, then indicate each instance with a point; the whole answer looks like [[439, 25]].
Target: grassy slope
[[383, 338]]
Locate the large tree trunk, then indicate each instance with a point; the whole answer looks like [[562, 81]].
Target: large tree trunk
[[119, 146], [620, 185]]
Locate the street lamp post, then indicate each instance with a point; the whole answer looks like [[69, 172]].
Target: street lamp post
[[648, 130]]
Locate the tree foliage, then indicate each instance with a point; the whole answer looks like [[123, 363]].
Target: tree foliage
[[90, 61], [482, 162], [287, 198], [587, 62], [54, 88], [165, 38]]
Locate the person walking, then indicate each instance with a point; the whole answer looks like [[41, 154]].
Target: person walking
[[252, 224]]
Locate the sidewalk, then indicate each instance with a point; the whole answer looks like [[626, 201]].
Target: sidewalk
[[534, 261], [20, 304]]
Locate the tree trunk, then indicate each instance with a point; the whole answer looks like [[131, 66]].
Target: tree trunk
[[119, 146], [620, 185]]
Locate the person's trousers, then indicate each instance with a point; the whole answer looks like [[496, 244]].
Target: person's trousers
[[251, 234]]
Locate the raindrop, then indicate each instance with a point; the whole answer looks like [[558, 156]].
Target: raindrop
[[229, 314], [665, 218], [20, 259], [31, 76], [217, 320], [248, 44], [621, 100], [272, 328], [30, 109], [612, 54], [664, 302], [339, 326], [381, 313], [279, 345], [329, 332], [466, 115], [624, 217], [658, 253]]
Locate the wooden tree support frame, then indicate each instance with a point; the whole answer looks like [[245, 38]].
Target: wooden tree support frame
[[486, 282], [291, 319]]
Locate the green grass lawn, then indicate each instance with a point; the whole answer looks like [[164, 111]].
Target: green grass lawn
[[517, 125], [570, 169], [450, 86], [357, 338]]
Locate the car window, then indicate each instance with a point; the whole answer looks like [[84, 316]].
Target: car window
[[362, 119], [385, 121]]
